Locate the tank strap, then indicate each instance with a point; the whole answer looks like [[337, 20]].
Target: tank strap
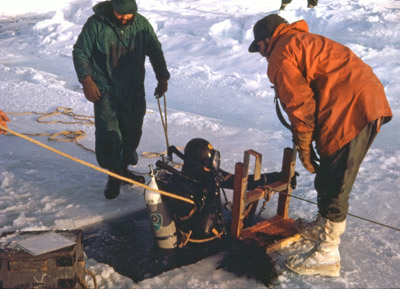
[[165, 237]]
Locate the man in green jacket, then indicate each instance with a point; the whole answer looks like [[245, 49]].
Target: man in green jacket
[[109, 58]]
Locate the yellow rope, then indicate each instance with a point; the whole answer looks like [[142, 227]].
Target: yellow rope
[[98, 168], [154, 154], [70, 136], [82, 119], [186, 237], [217, 235], [185, 218], [76, 136], [93, 277]]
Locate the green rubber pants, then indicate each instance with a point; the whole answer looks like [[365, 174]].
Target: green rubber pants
[[118, 131], [337, 173]]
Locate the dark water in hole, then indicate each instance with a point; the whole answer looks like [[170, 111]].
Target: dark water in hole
[[127, 245]]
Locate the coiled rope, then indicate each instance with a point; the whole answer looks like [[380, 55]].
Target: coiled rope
[[98, 168], [77, 135], [69, 136]]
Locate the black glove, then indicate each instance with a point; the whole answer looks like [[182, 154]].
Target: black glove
[[161, 88], [90, 89]]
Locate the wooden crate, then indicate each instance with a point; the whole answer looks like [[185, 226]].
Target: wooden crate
[[57, 269]]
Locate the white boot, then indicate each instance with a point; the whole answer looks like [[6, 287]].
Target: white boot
[[310, 230], [324, 258]]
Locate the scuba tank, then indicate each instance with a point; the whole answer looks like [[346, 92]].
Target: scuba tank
[[160, 216]]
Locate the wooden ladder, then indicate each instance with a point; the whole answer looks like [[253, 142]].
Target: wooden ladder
[[277, 231]]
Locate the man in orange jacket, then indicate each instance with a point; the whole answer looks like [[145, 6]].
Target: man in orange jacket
[[333, 98]]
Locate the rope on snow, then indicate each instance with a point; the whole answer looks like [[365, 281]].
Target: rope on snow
[[97, 168]]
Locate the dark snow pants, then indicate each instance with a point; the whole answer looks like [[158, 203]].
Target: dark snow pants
[[118, 131], [335, 178]]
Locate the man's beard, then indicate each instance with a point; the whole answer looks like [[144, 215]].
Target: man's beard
[[122, 23]]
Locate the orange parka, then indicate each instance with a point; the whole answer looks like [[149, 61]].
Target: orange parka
[[323, 86]]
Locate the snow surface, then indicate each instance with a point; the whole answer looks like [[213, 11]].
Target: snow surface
[[217, 91]]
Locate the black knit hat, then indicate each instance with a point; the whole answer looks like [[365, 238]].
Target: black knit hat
[[124, 6], [264, 28]]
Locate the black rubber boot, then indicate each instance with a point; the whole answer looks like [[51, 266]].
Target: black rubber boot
[[130, 175], [111, 190]]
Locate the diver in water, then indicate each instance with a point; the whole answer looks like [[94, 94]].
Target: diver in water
[[201, 180]]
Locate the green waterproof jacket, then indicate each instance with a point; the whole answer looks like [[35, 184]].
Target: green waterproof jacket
[[115, 56]]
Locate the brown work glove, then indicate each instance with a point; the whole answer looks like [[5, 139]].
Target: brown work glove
[[161, 88], [303, 142], [3, 121], [90, 89]]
